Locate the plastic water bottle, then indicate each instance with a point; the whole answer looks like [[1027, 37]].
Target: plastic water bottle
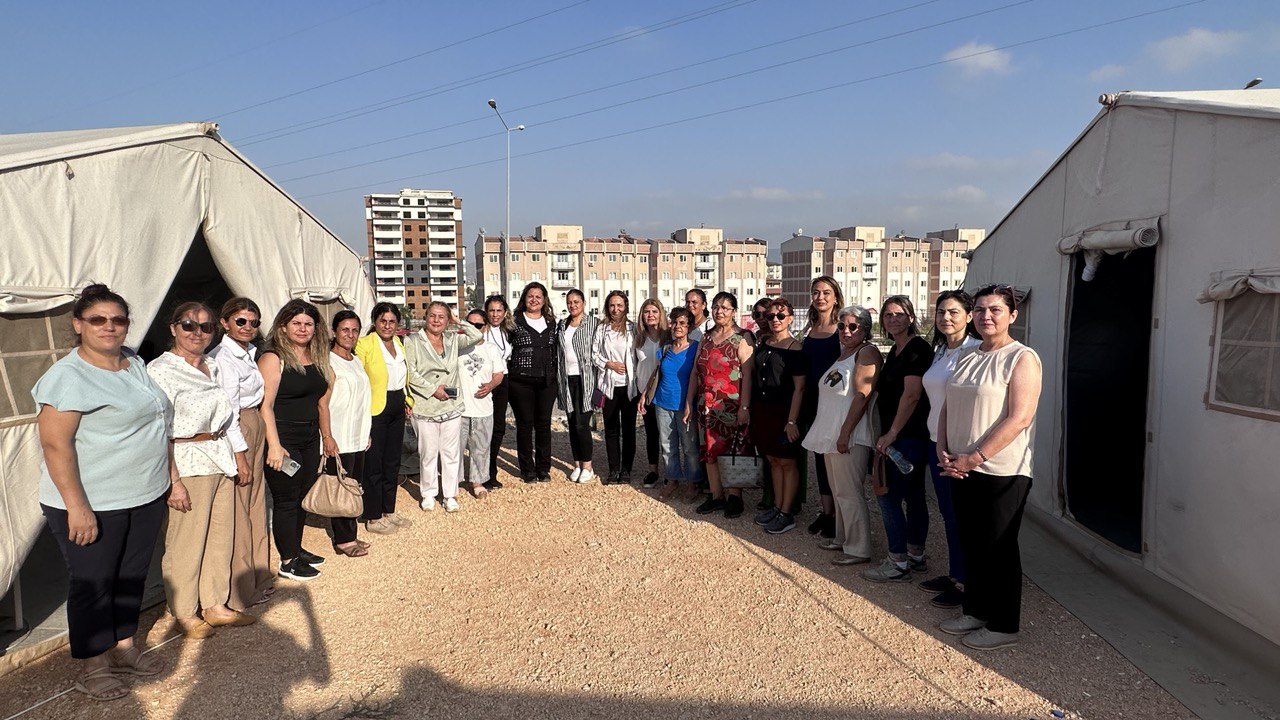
[[904, 465]]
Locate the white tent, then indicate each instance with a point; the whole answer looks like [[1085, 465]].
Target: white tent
[[160, 214], [1151, 256]]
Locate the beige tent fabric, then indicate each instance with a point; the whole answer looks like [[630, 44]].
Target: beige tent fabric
[[1228, 284], [122, 206]]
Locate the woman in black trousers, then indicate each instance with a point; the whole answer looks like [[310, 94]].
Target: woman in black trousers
[[532, 373], [498, 335], [382, 354]]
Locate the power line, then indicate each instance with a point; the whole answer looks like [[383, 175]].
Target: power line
[[611, 86], [493, 74], [402, 60], [202, 66], [771, 101], [685, 88]]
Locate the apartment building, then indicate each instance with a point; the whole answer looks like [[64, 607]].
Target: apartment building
[[870, 266], [561, 258], [415, 248], [773, 279]]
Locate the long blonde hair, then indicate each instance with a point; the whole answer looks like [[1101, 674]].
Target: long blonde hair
[[642, 333], [278, 339]]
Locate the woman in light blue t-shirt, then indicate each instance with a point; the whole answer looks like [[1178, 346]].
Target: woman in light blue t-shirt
[[104, 428], [666, 391]]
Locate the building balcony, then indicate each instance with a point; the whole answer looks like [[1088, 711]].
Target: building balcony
[[706, 282], [385, 202], [562, 283], [704, 265], [562, 265]]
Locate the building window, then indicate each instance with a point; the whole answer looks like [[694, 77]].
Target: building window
[[684, 258], [817, 270], [894, 253], [422, 228], [684, 276], [666, 292], [515, 257], [613, 276], [644, 258], [595, 276], [410, 293], [493, 277], [592, 257], [595, 294], [733, 276], [839, 269], [1245, 375], [515, 276], [406, 214], [732, 258], [535, 257], [422, 215], [422, 201], [665, 258], [626, 276], [666, 276], [535, 277], [612, 257]]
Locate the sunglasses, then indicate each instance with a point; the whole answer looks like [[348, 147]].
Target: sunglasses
[[192, 326], [242, 321], [774, 316], [851, 327], [100, 320], [478, 325]]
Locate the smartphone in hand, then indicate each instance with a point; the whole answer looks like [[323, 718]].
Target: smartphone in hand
[[452, 392], [289, 466]]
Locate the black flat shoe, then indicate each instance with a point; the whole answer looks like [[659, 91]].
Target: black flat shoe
[[309, 558], [711, 505], [493, 484]]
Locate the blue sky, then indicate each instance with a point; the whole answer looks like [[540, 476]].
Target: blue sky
[[910, 149]]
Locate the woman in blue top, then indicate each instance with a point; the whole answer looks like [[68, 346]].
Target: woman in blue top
[[104, 429], [666, 392]]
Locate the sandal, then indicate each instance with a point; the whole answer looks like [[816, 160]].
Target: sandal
[[479, 491], [353, 551], [235, 619], [135, 662], [102, 685], [364, 544]]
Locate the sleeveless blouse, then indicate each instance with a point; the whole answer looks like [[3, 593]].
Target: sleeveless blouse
[[978, 400]]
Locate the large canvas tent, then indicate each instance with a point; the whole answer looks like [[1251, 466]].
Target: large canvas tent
[[162, 215], [1149, 258]]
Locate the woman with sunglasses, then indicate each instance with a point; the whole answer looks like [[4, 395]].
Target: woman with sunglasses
[[497, 334], [295, 373], [252, 577], [822, 346], [842, 433], [345, 423], [481, 370], [903, 411], [720, 395], [576, 382], [984, 440], [650, 335], [953, 335], [382, 354], [432, 358], [198, 539], [104, 432], [777, 389]]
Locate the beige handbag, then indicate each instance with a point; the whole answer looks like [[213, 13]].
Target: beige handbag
[[335, 496]]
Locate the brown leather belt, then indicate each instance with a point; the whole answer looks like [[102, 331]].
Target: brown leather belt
[[200, 437]]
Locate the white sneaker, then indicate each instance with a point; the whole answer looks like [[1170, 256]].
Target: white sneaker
[[573, 476], [586, 476], [450, 505], [428, 504]]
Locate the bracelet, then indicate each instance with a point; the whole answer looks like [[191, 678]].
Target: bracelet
[[791, 422], [982, 454]]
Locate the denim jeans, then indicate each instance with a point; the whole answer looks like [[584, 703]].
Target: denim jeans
[[942, 488], [909, 529], [678, 446]]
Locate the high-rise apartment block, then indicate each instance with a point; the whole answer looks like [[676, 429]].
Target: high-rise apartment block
[[415, 248], [870, 267], [561, 258]]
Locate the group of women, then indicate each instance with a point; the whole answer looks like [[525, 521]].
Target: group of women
[[191, 442]]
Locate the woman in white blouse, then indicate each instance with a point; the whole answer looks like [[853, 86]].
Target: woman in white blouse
[[576, 380], [614, 356], [649, 338], [252, 575], [198, 540], [345, 422], [382, 353]]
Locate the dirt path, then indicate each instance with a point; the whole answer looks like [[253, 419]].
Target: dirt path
[[565, 601]]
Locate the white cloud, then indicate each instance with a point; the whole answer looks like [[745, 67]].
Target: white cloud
[[1195, 47], [975, 58], [773, 194], [965, 194], [1107, 72]]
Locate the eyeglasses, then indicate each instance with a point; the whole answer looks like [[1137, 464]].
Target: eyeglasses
[[851, 327], [192, 326], [774, 316], [478, 325], [242, 321], [100, 320], [759, 314]]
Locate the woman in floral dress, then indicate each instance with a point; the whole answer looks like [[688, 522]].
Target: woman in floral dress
[[720, 394]]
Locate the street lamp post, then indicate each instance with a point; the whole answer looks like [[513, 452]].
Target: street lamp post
[[507, 235]]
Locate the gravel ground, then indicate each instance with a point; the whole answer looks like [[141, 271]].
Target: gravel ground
[[565, 601]]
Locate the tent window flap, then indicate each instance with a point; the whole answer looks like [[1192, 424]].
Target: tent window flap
[[1112, 238], [1246, 362]]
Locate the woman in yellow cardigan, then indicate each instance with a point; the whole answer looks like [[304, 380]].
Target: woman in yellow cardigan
[[382, 354]]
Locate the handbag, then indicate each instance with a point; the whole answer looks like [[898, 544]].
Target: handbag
[[335, 496], [879, 476], [738, 470]]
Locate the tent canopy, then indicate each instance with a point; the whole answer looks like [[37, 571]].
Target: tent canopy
[[127, 207]]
